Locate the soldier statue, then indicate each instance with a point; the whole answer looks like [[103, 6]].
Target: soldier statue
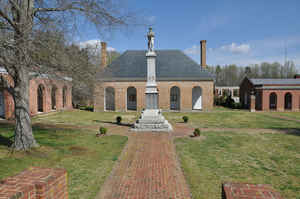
[[150, 40]]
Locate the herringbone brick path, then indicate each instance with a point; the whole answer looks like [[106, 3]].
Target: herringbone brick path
[[147, 169]]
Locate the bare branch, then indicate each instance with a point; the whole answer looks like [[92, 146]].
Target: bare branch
[[8, 20], [15, 5]]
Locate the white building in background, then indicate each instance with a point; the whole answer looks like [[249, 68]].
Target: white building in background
[[234, 91]]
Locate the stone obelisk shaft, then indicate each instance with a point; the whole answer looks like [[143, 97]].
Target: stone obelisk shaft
[[151, 86]]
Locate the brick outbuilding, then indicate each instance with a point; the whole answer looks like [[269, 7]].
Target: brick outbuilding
[[45, 95], [271, 94], [183, 84]]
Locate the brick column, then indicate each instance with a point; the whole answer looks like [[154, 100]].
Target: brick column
[[47, 97], [140, 94], [295, 101], [120, 99], [99, 98], [280, 101], [69, 97], [36, 183], [186, 92], [59, 98], [248, 191], [33, 97]]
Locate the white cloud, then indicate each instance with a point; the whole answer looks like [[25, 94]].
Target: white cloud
[[235, 48], [232, 48], [251, 52], [94, 43], [194, 50], [151, 19]]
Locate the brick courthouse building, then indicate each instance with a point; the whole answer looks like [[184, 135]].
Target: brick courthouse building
[[183, 84], [271, 94], [45, 95]]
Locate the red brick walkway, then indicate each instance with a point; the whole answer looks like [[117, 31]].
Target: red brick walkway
[[148, 168]]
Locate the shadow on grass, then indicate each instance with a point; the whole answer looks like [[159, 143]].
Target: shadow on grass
[[292, 131], [5, 141], [114, 123]]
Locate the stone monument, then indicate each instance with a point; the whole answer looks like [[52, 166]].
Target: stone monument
[[151, 118]]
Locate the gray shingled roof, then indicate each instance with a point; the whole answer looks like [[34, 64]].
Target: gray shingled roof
[[257, 82], [170, 65]]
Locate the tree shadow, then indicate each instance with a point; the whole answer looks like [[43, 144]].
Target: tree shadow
[[114, 123], [5, 141], [291, 131]]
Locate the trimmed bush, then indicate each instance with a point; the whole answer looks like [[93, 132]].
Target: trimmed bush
[[89, 108], [103, 130], [185, 119], [197, 132], [119, 119]]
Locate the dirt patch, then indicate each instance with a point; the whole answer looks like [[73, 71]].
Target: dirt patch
[[78, 150]]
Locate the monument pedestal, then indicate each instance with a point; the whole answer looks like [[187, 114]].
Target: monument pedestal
[[152, 120]]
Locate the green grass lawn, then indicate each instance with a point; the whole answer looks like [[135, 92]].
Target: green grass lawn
[[292, 115], [240, 157], [219, 118], [244, 157], [85, 118], [232, 119], [87, 159]]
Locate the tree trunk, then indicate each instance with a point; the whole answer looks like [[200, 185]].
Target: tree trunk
[[23, 139]]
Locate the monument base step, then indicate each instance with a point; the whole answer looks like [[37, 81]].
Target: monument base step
[[152, 120]]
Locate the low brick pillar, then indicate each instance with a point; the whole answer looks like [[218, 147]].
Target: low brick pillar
[[252, 103], [249, 191], [35, 183]]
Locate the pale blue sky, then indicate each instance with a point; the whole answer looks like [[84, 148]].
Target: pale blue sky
[[237, 31]]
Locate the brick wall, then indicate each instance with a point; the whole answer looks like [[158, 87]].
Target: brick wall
[[248, 191], [280, 99], [164, 88], [35, 183], [263, 97], [47, 84]]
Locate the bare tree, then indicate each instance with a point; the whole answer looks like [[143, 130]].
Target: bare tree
[[19, 21]]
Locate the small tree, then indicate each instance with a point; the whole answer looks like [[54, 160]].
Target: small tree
[[185, 119], [119, 119], [197, 132], [103, 130]]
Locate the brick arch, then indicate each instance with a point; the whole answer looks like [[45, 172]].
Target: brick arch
[[109, 99], [41, 97], [273, 101], [197, 93], [288, 101], [54, 96], [2, 104], [131, 98], [175, 98], [65, 96]]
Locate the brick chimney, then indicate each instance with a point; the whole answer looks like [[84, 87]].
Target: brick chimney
[[203, 53], [103, 55]]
